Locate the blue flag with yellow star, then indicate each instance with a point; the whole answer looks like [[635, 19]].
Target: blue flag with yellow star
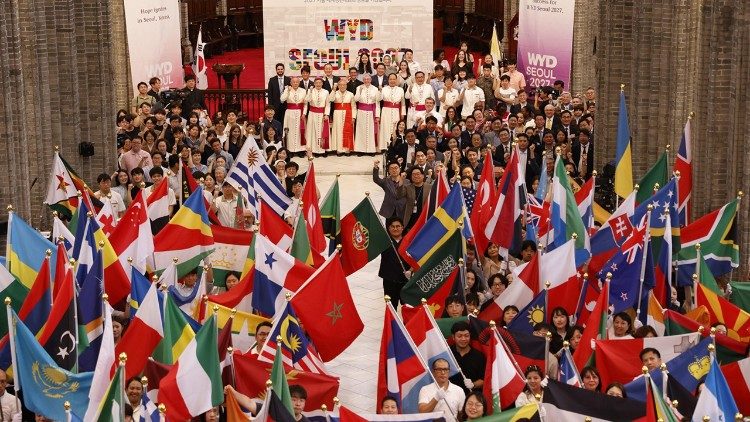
[[534, 313], [45, 386], [286, 326]]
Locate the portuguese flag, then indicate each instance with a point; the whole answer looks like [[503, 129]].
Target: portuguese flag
[[362, 237]]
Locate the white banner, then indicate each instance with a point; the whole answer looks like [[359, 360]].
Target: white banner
[[154, 41], [545, 41], [318, 32]]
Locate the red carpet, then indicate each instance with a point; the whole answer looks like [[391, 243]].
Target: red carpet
[[252, 77]]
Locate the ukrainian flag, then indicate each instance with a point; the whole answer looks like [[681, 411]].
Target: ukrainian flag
[[187, 236], [448, 217], [26, 250], [623, 159]]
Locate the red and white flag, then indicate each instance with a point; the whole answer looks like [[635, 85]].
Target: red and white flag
[[132, 238]]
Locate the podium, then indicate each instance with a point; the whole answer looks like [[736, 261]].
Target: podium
[[228, 72]]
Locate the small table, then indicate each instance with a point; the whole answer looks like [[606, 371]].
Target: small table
[[228, 72]]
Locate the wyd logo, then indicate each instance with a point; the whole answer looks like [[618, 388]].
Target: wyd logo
[[360, 236]]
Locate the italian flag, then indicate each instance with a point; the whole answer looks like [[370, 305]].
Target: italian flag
[[193, 385], [363, 237]]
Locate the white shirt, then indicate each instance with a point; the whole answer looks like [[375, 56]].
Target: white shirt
[[172, 198], [471, 97], [226, 210], [11, 410], [118, 205], [454, 395]]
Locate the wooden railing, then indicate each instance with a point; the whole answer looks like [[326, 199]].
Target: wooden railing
[[248, 101]]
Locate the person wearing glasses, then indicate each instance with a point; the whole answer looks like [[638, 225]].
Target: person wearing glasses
[[441, 395], [474, 407]]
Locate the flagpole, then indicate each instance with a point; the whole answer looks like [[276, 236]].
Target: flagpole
[[414, 348], [646, 242], [390, 239], [740, 194], [581, 297], [493, 326], [451, 358], [123, 359], [696, 276], [12, 340]]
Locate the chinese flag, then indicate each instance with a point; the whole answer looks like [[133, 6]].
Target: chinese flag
[[325, 306]]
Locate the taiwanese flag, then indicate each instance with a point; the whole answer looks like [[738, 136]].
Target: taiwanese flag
[[251, 376], [363, 237]]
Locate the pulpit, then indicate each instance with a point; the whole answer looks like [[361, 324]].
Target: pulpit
[[228, 72]]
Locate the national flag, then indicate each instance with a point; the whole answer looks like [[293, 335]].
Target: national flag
[[438, 193], [687, 368], [325, 306], [187, 236], [433, 275], [363, 237], [275, 409], [740, 294], [84, 247], [193, 385], [656, 407], [530, 315], [623, 160], [301, 249], [502, 380], [178, 333], [105, 359], [112, 406], [62, 267], [655, 316], [200, 68], [565, 219], [565, 403], [501, 227], [90, 316], [241, 324], [251, 175], [330, 213], [495, 47], [567, 372], [139, 286], [716, 400], [251, 376], [106, 217], [721, 310], [402, 373], [596, 328], [191, 302], [279, 384], [618, 360], [536, 212], [311, 211], [59, 336], [737, 375], [276, 273], [611, 235], [157, 204], [12, 288], [132, 238], [585, 201], [683, 163], [717, 234], [429, 339], [150, 411], [485, 199], [154, 373], [528, 412], [625, 268], [664, 204], [45, 385], [234, 412], [26, 250], [663, 269], [224, 345], [727, 348], [37, 305], [61, 231], [239, 297], [272, 226], [144, 333], [706, 278], [62, 193], [293, 345], [655, 177], [438, 230]]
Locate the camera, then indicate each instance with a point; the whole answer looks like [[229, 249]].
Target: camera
[[172, 95]]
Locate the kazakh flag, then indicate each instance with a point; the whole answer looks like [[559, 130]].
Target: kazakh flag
[[623, 159]]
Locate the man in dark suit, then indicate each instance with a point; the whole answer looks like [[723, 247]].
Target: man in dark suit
[[305, 81], [529, 165], [275, 87], [583, 154], [329, 80], [353, 83], [379, 79], [471, 129], [567, 126], [192, 97], [551, 121], [406, 152], [416, 191]]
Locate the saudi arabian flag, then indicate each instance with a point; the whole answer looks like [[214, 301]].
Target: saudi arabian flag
[[112, 406], [433, 274], [363, 237], [658, 173]]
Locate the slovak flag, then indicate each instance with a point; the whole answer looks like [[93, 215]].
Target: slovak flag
[[276, 273], [401, 371], [610, 236]]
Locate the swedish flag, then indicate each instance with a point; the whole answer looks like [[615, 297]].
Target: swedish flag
[[623, 159], [46, 387], [448, 217]]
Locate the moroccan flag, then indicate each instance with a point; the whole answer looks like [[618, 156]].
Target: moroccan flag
[[431, 276], [193, 385], [325, 306], [722, 310], [330, 212], [251, 376], [658, 173], [363, 237], [623, 159], [717, 234]]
